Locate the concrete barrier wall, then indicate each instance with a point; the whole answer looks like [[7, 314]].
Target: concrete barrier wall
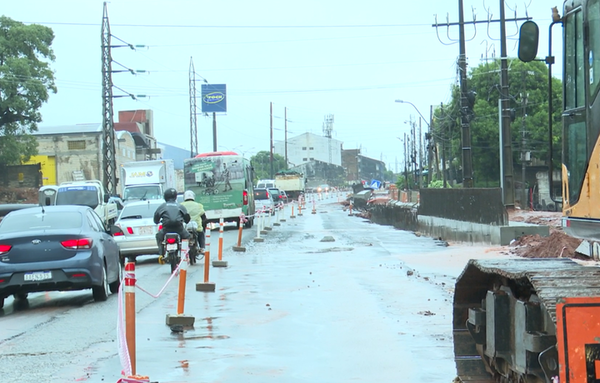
[[400, 215], [404, 216]]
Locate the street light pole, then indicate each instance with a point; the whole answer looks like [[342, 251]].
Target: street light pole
[[420, 141]]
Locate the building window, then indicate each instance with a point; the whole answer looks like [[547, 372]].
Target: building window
[[312, 159], [304, 148], [76, 145], [305, 159], [311, 148]]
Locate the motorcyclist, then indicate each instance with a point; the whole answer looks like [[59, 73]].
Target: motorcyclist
[[172, 215], [197, 215]]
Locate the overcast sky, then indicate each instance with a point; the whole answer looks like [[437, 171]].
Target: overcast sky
[[348, 58]]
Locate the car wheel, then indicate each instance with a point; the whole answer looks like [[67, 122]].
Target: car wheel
[[114, 286], [100, 293]]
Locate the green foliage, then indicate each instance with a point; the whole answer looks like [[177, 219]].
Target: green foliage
[[25, 82], [261, 162], [437, 184], [528, 94]]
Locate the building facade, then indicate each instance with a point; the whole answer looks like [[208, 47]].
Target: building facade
[[309, 147]]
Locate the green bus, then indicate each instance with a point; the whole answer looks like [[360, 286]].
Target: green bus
[[222, 182]]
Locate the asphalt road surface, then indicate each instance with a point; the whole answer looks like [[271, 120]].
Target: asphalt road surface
[[327, 297]]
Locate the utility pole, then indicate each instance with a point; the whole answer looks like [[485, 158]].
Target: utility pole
[[464, 109], [420, 156], [108, 131], [214, 126], [524, 158], [406, 161], [430, 148], [193, 108], [286, 140], [271, 145], [507, 160]]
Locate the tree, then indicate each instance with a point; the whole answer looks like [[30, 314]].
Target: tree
[[261, 162], [528, 88], [25, 82]]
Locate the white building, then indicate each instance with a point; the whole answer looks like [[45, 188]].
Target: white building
[[310, 147]]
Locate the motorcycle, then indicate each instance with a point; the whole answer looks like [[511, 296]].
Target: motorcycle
[[172, 246], [194, 246]]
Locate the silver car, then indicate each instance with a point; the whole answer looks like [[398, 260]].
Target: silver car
[[138, 230]]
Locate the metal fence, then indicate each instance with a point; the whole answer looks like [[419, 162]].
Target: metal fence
[[472, 205]]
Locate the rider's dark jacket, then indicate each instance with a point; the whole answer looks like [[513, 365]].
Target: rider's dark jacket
[[172, 215]]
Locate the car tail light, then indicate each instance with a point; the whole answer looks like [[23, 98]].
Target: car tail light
[[79, 275], [171, 240], [81, 243], [5, 248], [118, 233], [245, 197], [130, 230]]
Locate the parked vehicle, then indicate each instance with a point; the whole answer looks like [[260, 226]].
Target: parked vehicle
[[277, 196], [222, 182], [88, 193], [137, 230], [263, 198], [57, 248], [143, 180], [265, 184], [291, 182]]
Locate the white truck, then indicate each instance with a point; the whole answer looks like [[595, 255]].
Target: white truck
[[143, 180], [88, 193], [293, 183]]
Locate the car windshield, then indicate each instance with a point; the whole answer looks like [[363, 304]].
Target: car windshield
[[78, 195], [39, 221], [138, 211]]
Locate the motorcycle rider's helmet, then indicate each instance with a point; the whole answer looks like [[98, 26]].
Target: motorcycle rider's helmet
[[189, 195], [170, 194]]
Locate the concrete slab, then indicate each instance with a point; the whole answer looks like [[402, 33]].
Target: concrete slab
[[239, 249], [218, 263], [182, 320], [264, 232], [276, 224], [207, 287], [259, 239]]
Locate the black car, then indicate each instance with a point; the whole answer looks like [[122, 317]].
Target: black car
[[56, 248]]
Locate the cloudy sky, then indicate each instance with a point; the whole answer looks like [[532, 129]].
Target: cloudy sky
[[351, 59]]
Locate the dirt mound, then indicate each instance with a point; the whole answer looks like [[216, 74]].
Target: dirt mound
[[18, 195], [556, 245]]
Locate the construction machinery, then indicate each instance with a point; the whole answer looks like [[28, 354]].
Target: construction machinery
[[538, 320]]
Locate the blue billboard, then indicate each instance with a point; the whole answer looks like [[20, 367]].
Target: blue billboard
[[214, 98]]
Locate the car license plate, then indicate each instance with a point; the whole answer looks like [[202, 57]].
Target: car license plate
[[171, 246], [146, 230], [38, 276]]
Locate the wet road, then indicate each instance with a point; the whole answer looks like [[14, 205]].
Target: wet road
[[374, 305]]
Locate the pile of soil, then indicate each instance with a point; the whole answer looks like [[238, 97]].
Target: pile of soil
[[556, 245], [18, 195]]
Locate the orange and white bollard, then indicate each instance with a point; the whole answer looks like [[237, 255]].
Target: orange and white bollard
[[220, 262], [350, 208], [300, 208], [259, 216], [314, 209], [292, 215], [130, 312], [206, 285], [239, 246]]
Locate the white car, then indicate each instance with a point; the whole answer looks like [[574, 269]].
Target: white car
[[138, 230], [263, 200]]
